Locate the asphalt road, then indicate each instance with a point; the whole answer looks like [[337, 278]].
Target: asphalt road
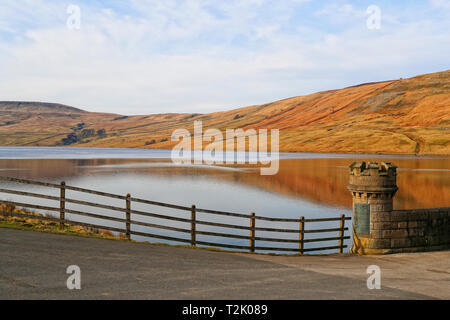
[[33, 266]]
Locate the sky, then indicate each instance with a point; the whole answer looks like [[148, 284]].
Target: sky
[[160, 56]]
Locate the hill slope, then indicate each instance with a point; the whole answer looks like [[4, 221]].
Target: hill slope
[[36, 107], [400, 116]]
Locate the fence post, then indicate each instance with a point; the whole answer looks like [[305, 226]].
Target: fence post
[[128, 216], [301, 235], [62, 205], [341, 234], [193, 241], [252, 232]]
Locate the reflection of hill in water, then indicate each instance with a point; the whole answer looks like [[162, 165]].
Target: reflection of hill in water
[[325, 181], [319, 180]]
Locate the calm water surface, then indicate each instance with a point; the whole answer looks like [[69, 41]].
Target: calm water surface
[[310, 185]]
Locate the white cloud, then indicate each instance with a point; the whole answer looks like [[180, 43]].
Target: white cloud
[[341, 11], [200, 56], [440, 3]]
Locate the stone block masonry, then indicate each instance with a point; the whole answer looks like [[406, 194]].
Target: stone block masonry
[[378, 228]]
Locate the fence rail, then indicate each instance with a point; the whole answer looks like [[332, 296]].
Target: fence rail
[[192, 220]]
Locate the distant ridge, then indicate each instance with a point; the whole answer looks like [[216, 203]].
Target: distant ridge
[[408, 116], [32, 106]]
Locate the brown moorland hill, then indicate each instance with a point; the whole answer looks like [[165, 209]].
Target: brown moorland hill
[[398, 116], [36, 107]]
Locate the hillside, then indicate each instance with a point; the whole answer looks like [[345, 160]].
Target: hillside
[[399, 116], [36, 107]]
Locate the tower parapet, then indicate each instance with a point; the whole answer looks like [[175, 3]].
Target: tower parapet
[[373, 178]]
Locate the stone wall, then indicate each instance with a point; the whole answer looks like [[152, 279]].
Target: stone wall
[[409, 231]]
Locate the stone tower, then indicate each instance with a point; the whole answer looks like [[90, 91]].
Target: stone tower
[[373, 187]]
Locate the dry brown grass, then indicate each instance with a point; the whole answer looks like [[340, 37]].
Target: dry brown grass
[[401, 116], [6, 220]]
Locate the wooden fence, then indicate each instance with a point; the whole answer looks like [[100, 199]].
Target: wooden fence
[[252, 228]]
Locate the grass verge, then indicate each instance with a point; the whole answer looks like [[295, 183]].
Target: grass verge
[[38, 225]]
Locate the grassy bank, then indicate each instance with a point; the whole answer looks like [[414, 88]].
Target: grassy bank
[[30, 224], [38, 224]]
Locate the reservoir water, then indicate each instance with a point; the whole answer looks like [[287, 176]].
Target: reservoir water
[[307, 184]]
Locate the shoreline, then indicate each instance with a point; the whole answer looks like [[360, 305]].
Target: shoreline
[[165, 154]]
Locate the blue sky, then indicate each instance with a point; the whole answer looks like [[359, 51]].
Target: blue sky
[[149, 56]]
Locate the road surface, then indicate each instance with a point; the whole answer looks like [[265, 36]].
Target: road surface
[[33, 266]]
